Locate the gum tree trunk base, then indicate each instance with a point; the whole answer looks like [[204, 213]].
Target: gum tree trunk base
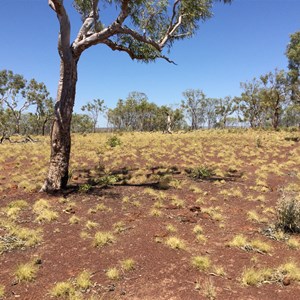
[[58, 172]]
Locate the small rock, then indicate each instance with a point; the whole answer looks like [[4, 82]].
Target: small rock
[[38, 261], [195, 208], [111, 288], [286, 281], [186, 219]]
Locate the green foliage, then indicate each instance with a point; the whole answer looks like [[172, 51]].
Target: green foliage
[[85, 188], [94, 108], [194, 105], [16, 95], [264, 99], [114, 141], [107, 180], [137, 113], [224, 108], [293, 55], [81, 123], [202, 172], [288, 214]]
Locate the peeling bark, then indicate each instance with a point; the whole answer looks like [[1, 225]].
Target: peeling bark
[[58, 173]]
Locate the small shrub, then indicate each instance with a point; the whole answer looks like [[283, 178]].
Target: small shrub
[[288, 215], [202, 172], [108, 180], [85, 188], [113, 141]]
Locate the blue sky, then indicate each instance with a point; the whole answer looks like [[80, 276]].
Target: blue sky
[[242, 40]]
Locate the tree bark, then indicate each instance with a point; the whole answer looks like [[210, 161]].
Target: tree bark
[[60, 133]]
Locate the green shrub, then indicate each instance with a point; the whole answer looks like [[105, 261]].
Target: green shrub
[[202, 172], [114, 141], [288, 214], [107, 180]]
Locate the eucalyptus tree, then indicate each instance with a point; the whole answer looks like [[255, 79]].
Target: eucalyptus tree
[[44, 114], [194, 105], [250, 103], [82, 123], [94, 109], [17, 95], [210, 112], [274, 95], [293, 55], [224, 108], [142, 29]]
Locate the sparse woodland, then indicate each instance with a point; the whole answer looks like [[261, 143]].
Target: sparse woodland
[[211, 211]]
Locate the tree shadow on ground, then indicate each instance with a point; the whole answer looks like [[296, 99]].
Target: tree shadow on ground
[[95, 181]]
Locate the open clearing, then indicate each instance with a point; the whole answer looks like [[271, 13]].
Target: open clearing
[[182, 216]]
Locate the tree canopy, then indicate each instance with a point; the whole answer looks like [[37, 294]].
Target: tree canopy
[[141, 29]]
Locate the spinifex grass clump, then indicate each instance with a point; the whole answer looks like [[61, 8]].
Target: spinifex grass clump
[[18, 237], [26, 272], [288, 214], [103, 238], [42, 209], [202, 172]]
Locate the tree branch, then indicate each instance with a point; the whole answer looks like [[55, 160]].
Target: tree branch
[[114, 46], [124, 12], [65, 28], [173, 26], [86, 39], [86, 26], [139, 37]]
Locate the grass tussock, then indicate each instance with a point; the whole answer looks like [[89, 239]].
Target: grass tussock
[[240, 241], [175, 243], [26, 272], [255, 277], [42, 209], [201, 263], [83, 280], [103, 238]]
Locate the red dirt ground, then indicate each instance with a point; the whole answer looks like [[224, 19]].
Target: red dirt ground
[[159, 272]]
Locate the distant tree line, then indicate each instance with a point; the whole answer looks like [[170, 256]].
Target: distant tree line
[[270, 101], [138, 114]]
